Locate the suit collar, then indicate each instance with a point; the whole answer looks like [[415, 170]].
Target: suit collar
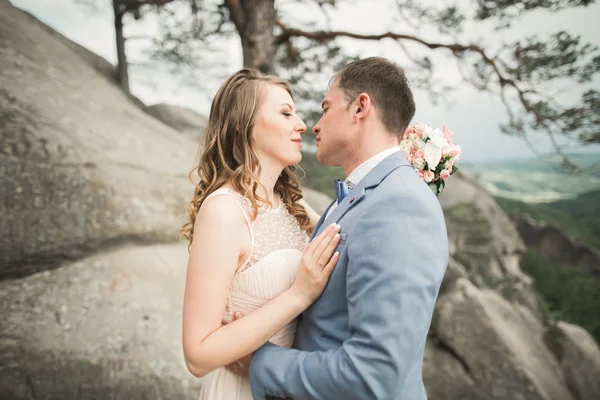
[[363, 169], [372, 179], [384, 168]]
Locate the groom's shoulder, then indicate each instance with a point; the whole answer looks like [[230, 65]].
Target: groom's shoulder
[[403, 181], [404, 188]]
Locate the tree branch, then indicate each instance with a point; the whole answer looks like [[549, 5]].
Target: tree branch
[[237, 14], [456, 48]]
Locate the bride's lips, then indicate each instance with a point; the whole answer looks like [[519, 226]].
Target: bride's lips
[[299, 141]]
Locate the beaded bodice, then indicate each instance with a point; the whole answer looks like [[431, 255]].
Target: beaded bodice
[[275, 230], [271, 230]]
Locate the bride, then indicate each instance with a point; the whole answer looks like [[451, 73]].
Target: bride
[[248, 230]]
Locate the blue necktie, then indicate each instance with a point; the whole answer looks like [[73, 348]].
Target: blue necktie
[[341, 190]]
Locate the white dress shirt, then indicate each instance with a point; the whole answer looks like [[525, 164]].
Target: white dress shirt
[[363, 169]]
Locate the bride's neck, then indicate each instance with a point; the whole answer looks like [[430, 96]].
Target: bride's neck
[[268, 178]]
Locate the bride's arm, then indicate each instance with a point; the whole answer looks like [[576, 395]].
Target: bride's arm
[[219, 235], [312, 214]]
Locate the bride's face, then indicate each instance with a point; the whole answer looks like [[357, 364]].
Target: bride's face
[[277, 132]]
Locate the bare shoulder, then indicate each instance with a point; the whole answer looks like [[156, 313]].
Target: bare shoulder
[[222, 212]]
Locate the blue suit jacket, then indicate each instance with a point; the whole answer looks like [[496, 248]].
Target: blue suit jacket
[[364, 337]]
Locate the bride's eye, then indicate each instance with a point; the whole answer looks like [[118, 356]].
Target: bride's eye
[[287, 114]]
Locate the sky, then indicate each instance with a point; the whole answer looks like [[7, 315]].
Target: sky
[[473, 116]]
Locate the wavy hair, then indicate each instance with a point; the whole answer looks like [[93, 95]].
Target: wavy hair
[[226, 150]]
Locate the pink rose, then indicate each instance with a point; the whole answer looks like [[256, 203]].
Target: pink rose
[[421, 174], [447, 133], [419, 154], [456, 151], [406, 145], [418, 163], [445, 174], [428, 176]]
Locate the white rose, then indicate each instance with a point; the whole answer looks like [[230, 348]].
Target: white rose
[[426, 132], [437, 137], [433, 154]]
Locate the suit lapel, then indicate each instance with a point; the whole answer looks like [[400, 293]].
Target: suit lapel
[[320, 222], [372, 179]]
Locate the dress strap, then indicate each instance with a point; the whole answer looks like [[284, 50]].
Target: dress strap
[[242, 203]]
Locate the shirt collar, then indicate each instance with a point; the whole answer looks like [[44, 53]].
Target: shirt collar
[[363, 169]]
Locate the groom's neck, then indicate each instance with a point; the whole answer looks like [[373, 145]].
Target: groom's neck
[[369, 146]]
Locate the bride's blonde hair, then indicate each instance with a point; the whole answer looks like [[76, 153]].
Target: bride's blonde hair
[[227, 153]]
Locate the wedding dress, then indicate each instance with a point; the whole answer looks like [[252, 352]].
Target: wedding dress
[[277, 246]]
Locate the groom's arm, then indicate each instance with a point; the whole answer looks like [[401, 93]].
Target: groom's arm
[[395, 266]]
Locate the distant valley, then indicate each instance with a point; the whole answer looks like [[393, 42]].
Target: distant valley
[[535, 180]]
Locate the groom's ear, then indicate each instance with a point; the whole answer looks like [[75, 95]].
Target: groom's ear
[[363, 105]]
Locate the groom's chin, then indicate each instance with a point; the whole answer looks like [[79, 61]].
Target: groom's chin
[[319, 157]]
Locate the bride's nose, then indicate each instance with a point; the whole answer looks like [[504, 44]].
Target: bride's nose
[[300, 126]]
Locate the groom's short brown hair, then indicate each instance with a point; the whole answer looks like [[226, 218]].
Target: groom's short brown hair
[[386, 84]]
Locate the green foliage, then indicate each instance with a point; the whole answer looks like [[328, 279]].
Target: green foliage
[[507, 10], [577, 217], [566, 292], [318, 176]]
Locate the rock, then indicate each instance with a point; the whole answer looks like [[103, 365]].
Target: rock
[[502, 268], [445, 376], [462, 189], [107, 326], [498, 345], [317, 200], [82, 168], [184, 120], [557, 246], [454, 271], [579, 358]]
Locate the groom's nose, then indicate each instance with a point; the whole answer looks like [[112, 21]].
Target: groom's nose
[[316, 129]]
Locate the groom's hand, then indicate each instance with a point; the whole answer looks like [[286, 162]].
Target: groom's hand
[[240, 367]]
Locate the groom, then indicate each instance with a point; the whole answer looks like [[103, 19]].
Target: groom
[[364, 337]]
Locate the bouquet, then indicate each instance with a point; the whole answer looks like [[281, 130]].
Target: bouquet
[[431, 153]]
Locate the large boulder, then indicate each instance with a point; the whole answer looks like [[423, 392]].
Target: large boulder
[[107, 326], [499, 345], [557, 246], [317, 200], [579, 358], [184, 120], [499, 265], [506, 240], [81, 166], [445, 375]]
